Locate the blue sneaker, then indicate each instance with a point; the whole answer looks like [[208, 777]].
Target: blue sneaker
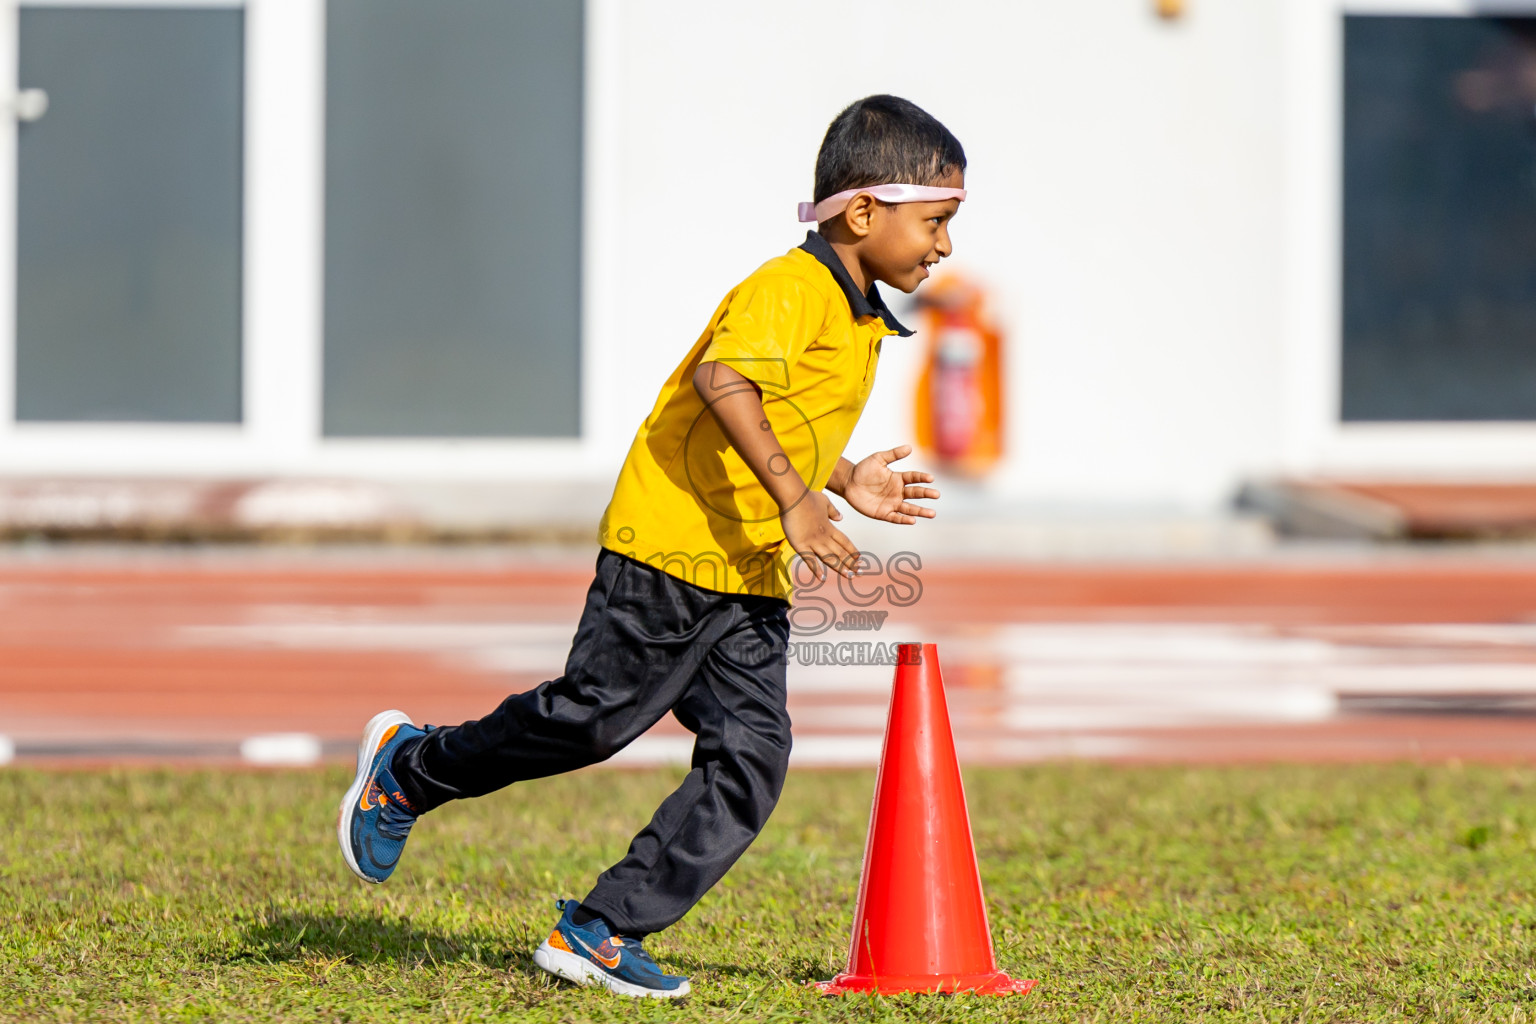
[[375, 816], [590, 954]]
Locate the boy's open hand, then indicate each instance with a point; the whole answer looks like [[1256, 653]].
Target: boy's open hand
[[877, 491], [809, 530]]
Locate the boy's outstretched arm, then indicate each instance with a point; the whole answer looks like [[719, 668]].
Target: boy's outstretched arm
[[879, 492], [806, 515]]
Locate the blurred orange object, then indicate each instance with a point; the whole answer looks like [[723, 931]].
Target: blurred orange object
[[959, 412]]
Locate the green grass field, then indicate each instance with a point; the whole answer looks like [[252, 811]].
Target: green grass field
[[1169, 894]]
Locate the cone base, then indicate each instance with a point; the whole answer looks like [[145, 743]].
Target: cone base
[[992, 983]]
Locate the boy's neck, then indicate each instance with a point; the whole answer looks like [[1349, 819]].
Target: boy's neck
[[848, 252]]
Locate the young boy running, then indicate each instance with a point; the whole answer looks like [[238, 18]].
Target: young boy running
[[688, 613]]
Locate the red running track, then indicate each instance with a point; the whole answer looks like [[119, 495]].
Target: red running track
[[168, 656]]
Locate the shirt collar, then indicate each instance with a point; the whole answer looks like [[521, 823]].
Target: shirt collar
[[862, 305]]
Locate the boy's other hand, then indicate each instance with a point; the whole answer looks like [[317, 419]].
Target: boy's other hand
[[809, 530], [879, 492]]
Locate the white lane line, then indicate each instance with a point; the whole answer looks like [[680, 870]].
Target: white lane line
[[831, 751], [1052, 682], [1050, 748], [1165, 643], [1434, 634], [532, 648], [648, 750], [860, 717], [808, 751], [378, 635], [283, 748]]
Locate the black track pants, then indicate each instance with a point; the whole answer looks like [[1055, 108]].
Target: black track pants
[[648, 643]]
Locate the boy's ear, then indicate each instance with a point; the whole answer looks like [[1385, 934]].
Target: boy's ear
[[860, 213]]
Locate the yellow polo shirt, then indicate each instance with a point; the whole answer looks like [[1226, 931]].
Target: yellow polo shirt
[[685, 502]]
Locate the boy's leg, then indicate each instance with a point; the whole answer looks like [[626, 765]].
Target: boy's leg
[[642, 637], [736, 706]]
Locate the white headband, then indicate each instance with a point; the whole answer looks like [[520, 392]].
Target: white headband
[[833, 205]]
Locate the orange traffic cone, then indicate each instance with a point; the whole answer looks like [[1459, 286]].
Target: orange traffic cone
[[921, 922]]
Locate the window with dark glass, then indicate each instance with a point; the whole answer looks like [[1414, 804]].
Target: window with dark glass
[[128, 228], [453, 218], [1439, 290]]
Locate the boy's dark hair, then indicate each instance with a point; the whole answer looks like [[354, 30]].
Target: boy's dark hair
[[882, 139]]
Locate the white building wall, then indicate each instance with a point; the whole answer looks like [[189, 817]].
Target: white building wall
[[1126, 213]]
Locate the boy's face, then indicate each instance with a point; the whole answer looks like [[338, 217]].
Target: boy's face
[[906, 239]]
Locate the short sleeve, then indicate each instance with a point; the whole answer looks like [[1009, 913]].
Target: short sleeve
[[767, 325]]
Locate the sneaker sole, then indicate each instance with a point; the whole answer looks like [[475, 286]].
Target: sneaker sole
[[373, 732], [577, 969]]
